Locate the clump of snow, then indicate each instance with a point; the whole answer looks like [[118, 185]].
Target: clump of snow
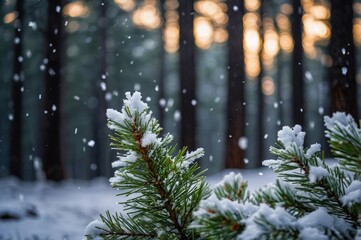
[[134, 102], [95, 228], [314, 148], [149, 138], [122, 161], [317, 173], [339, 117], [115, 116], [231, 178], [312, 233], [321, 219], [224, 206], [352, 193], [291, 135], [278, 216]]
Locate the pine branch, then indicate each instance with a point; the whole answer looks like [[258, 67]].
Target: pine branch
[[165, 196], [161, 191]]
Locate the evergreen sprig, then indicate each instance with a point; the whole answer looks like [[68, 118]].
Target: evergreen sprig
[[161, 191]]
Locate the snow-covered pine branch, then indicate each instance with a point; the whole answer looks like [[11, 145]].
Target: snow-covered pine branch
[[161, 190], [309, 200]]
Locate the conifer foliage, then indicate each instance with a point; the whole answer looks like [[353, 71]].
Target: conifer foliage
[[161, 191], [310, 199], [166, 199]]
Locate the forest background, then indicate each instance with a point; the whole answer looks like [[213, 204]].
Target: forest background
[[223, 75]]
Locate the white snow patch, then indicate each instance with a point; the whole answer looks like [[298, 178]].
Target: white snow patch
[[149, 138], [352, 193], [122, 161], [291, 135], [339, 117], [231, 178], [95, 228], [311, 233], [317, 173], [314, 148], [115, 116], [134, 102]]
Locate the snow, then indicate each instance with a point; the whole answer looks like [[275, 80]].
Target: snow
[[311, 233], [317, 173], [64, 210], [91, 143], [278, 216], [190, 157], [231, 178], [114, 115], [47, 210], [95, 228], [352, 193], [134, 102], [149, 138], [289, 135], [314, 148], [321, 219], [122, 161], [243, 143], [339, 117]]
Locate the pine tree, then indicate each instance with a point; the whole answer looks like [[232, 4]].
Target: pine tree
[[166, 199], [310, 199], [161, 191]]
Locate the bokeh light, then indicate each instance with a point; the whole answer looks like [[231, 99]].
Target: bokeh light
[[203, 32], [126, 5], [10, 17], [147, 15], [171, 26], [76, 9], [268, 86]]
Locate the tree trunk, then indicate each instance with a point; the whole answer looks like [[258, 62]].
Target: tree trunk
[[101, 153], [187, 74], [342, 50], [260, 103], [17, 88], [298, 110], [52, 149], [236, 80], [162, 62]]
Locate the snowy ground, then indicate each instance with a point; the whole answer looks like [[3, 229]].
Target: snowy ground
[[62, 211]]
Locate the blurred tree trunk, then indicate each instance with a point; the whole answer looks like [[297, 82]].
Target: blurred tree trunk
[[17, 88], [52, 146], [298, 110], [187, 74], [236, 79], [101, 156], [260, 107], [342, 50], [162, 55]]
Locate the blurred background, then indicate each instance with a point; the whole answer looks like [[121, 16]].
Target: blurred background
[[222, 75]]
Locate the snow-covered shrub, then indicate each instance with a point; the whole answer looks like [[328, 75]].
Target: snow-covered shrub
[[167, 199]]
